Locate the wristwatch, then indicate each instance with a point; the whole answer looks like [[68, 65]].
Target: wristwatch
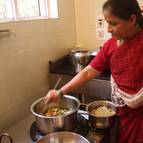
[[60, 93]]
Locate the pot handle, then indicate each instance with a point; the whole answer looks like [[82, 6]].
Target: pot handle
[[7, 136]]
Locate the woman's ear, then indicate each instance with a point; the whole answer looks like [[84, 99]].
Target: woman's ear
[[133, 19]]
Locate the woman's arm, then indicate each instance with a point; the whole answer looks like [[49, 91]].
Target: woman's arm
[[82, 77]]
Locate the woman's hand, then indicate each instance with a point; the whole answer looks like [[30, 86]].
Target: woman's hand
[[135, 102], [52, 96], [133, 106]]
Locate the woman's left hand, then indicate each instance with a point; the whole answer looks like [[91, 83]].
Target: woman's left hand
[[135, 102]]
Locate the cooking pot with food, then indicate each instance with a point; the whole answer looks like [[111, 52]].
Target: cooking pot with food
[[62, 115], [102, 114]]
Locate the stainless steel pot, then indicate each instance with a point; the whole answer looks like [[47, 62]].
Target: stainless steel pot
[[72, 52], [98, 121], [63, 137], [61, 123], [80, 58]]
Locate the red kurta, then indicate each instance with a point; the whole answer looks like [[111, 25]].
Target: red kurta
[[126, 64]]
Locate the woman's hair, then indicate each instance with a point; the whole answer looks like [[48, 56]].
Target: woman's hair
[[124, 9]]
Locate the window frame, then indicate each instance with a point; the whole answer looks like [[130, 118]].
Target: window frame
[[44, 11]]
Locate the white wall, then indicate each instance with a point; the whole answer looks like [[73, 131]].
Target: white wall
[[24, 57], [86, 13], [140, 2]]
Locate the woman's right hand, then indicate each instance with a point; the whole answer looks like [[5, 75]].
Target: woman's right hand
[[52, 96]]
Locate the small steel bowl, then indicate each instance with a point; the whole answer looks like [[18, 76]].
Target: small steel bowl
[[99, 121], [63, 137]]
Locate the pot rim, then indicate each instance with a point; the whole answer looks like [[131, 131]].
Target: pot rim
[[103, 101], [46, 117], [65, 132]]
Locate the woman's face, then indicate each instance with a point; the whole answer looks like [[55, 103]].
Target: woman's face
[[119, 28]]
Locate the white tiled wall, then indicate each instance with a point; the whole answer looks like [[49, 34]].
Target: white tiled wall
[[24, 57]]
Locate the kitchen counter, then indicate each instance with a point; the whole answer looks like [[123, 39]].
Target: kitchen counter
[[20, 131]]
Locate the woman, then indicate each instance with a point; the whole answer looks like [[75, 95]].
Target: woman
[[123, 54]]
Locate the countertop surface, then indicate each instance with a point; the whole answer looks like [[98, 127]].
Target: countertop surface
[[20, 131]]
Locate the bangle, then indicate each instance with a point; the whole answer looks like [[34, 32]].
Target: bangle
[[60, 93]]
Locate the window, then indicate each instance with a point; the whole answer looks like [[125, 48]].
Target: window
[[25, 9], [3, 11]]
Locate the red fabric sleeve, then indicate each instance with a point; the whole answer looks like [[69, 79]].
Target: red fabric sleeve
[[102, 60]]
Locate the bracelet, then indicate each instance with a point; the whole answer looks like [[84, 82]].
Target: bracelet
[[60, 93]]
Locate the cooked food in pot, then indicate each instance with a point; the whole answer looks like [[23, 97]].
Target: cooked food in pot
[[103, 111], [57, 111]]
